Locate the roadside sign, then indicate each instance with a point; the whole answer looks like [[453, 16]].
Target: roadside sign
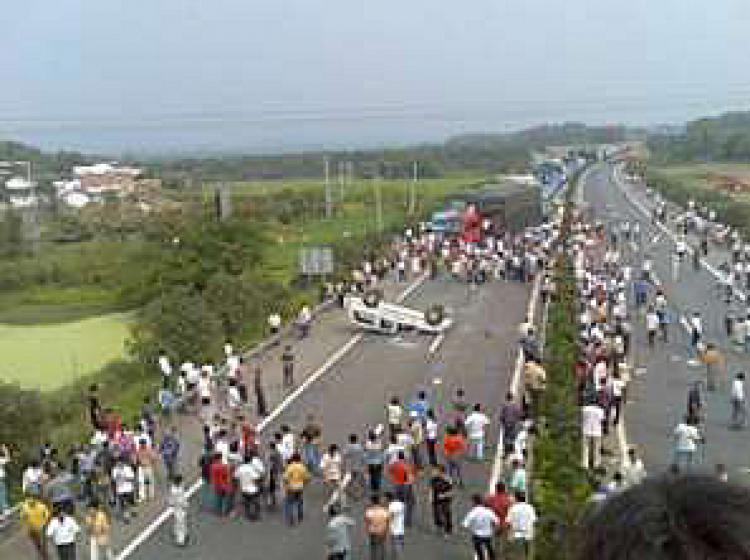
[[316, 260]]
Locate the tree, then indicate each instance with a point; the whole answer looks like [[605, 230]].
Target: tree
[[242, 302], [11, 234], [180, 323]]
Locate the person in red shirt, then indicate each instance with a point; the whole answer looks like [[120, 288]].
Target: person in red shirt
[[220, 477], [499, 502], [402, 477], [454, 448], [249, 436], [112, 424]]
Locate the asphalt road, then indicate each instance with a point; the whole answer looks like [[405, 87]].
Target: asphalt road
[[657, 399], [478, 354]]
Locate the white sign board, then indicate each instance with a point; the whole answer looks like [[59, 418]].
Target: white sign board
[[316, 261]]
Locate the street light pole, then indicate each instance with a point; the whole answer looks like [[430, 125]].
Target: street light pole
[[413, 190], [329, 209], [378, 203], [341, 173]]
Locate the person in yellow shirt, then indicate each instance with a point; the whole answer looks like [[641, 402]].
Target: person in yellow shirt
[[34, 515], [535, 380], [99, 525], [296, 476]]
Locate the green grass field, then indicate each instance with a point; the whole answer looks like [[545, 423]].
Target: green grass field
[[50, 335], [49, 356], [355, 218], [698, 175]]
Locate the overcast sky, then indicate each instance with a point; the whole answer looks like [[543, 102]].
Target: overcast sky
[[264, 75]]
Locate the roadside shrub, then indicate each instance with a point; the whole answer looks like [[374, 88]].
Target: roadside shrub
[[560, 485]]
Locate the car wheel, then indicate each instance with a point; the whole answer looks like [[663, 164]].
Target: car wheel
[[372, 298], [434, 315]]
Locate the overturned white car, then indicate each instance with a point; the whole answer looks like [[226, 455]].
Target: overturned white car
[[371, 313]]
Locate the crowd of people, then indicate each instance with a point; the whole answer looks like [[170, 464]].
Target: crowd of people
[[416, 448], [608, 272], [603, 370], [82, 493], [107, 477]]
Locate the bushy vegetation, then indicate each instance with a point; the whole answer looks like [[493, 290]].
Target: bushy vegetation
[[474, 153], [195, 283], [730, 210], [561, 487], [722, 138], [28, 418]]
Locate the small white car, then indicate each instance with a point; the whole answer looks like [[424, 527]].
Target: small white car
[[371, 313]]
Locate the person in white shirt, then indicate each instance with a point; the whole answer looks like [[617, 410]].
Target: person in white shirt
[[4, 460], [331, 467], [431, 429], [123, 476], [179, 502], [401, 270], [31, 480], [304, 320], [286, 445], [660, 304], [274, 323], [233, 366], [696, 329], [633, 471], [164, 365], [686, 440], [481, 521], [248, 476], [652, 325], [63, 531], [521, 519], [476, 424], [204, 387], [234, 398], [592, 418], [739, 410], [616, 389], [396, 518], [394, 415]]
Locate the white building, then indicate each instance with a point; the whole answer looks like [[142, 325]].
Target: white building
[[96, 183], [21, 193]]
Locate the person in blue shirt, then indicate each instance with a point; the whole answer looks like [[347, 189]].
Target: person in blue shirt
[[640, 287], [169, 449], [419, 406]]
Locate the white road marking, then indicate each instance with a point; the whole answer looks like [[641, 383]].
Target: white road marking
[[144, 535], [622, 437], [497, 465], [672, 237], [436, 344]]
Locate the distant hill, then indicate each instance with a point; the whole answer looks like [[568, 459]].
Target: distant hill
[[488, 153], [545, 135], [722, 138]]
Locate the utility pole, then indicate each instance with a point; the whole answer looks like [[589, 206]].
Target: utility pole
[[341, 172], [413, 190], [378, 203], [329, 209]]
